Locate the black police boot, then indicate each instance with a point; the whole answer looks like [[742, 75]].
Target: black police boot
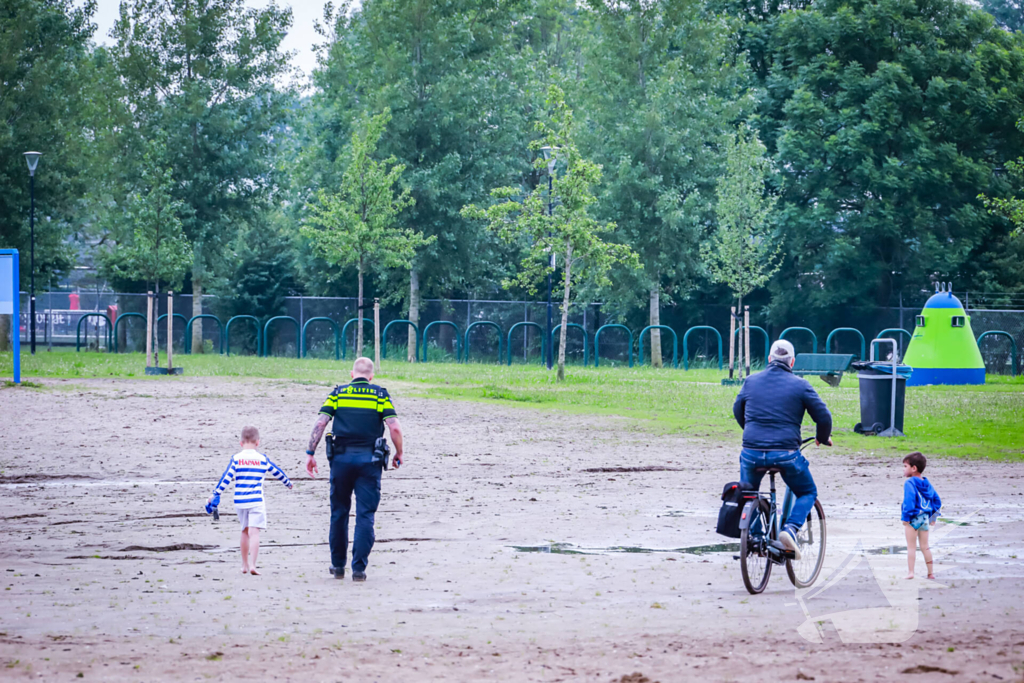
[[338, 572], [358, 576]]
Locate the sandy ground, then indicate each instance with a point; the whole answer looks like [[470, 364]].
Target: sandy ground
[[111, 572]]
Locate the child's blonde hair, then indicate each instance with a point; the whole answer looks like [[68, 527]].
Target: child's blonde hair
[[250, 434]]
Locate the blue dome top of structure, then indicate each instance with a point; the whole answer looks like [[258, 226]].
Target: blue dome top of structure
[[943, 300]]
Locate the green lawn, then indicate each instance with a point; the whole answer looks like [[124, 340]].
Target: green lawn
[[977, 422]]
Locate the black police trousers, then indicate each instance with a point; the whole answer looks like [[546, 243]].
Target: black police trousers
[[353, 473]]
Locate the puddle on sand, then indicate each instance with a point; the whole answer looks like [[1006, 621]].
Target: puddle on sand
[[570, 549]]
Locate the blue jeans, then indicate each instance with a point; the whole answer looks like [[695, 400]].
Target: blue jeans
[[353, 473], [796, 472]]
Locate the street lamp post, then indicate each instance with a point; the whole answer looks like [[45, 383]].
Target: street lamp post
[[32, 159], [549, 156]]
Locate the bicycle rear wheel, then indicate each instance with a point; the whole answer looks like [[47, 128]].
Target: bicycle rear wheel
[[755, 565], [811, 539]]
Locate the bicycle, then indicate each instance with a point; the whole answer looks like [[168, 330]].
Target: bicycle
[[760, 548]]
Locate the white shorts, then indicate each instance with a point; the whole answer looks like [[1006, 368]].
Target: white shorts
[[256, 516]]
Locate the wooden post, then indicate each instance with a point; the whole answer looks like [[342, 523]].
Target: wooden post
[[732, 338], [149, 329], [376, 334], [746, 336], [170, 328]]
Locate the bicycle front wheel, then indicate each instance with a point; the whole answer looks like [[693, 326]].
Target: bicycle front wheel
[[811, 539], [755, 565]]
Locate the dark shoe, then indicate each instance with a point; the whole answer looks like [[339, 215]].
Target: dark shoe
[[338, 572], [358, 576]]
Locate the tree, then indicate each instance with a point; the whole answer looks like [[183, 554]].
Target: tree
[[456, 76], [1008, 13], [45, 86], [1012, 207], [566, 230], [149, 244], [662, 90], [887, 119], [201, 77], [358, 225], [741, 253]]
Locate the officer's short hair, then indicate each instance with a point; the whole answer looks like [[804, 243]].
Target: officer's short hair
[[363, 367], [250, 434], [781, 350]]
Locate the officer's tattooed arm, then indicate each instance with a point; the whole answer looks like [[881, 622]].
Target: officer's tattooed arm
[[396, 438], [318, 431]]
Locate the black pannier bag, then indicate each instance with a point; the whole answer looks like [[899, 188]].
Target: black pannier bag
[[733, 500]]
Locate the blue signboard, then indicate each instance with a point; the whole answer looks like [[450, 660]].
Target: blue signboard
[[9, 301]]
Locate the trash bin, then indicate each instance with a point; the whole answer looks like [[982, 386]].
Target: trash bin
[[876, 397]]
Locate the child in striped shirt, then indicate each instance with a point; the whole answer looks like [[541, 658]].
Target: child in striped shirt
[[247, 469]]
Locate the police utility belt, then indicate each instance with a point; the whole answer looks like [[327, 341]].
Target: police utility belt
[[381, 449]]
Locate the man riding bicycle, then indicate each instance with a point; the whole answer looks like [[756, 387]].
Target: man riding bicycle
[[770, 409]]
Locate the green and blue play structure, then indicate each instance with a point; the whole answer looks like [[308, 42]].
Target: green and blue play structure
[[943, 349]]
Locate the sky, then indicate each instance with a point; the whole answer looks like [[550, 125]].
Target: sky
[[300, 38]]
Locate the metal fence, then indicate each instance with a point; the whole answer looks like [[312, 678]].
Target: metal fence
[[64, 318]]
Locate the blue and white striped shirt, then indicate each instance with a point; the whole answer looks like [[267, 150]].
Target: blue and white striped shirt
[[247, 470]]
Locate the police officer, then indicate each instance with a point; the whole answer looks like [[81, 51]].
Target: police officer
[[360, 410]]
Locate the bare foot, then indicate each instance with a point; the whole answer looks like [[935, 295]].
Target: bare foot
[[931, 576], [909, 576], [254, 571], [245, 569]]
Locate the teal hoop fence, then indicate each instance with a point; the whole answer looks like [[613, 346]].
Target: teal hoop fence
[[543, 345], [384, 338], [814, 337], [458, 340], [344, 333], [485, 323], [767, 343], [554, 332], [334, 328], [828, 340], [177, 316], [266, 335], [896, 330], [227, 334], [118, 322], [78, 331], [1013, 346], [686, 338], [597, 342], [675, 343], [204, 316]]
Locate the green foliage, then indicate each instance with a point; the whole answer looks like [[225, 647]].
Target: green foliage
[[661, 90], [264, 276], [547, 229], [1012, 207], [1008, 13], [44, 89], [149, 244], [357, 226], [887, 118], [742, 253]]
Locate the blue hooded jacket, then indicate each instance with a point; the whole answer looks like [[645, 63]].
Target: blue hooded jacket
[[919, 497], [770, 408]]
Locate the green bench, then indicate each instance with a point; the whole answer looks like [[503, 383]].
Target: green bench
[[829, 366]]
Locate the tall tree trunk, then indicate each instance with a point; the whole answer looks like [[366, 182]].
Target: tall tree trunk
[[414, 311], [565, 312], [740, 332], [197, 307], [156, 328], [359, 314], [655, 309]]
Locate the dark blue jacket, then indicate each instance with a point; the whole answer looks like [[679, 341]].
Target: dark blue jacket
[[770, 408]]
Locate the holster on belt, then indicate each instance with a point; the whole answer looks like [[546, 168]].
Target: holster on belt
[[332, 447]]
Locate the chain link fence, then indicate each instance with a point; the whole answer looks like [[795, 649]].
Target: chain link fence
[[67, 319]]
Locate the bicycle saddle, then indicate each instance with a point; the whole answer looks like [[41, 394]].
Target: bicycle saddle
[[768, 470]]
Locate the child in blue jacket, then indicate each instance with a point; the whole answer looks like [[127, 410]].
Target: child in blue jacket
[[921, 505]]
